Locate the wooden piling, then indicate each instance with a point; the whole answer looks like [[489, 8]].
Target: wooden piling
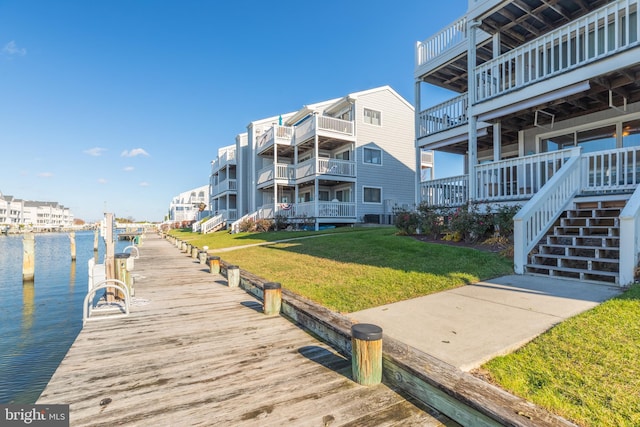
[[214, 264], [194, 252], [272, 298], [366, 353], [96, 235], [28, 257], [233, 276], [72, 242], [202, 256]]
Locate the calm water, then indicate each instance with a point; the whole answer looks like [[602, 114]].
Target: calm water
[[40, 320]]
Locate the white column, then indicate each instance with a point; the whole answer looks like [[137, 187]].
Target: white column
[[473, 119]]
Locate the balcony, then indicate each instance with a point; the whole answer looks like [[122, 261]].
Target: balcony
[[326, 167], [600, 34], [227, 158], [275, 135], [451, 38], [224, 186], [447, 115], [326, 126], [326, 210], [280, 171]]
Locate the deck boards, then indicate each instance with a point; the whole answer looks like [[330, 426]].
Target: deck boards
[[195, 352]]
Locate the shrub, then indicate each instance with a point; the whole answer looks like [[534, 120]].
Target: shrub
[[406, 221], [280, 222], [432, 219], [503, 219], [468, 222], [255, 226]]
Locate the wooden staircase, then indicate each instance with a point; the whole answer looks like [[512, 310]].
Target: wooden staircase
[[583, 244]]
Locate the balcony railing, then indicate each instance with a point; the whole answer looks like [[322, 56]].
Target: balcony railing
[[307, 129], [519, 178], [451, 191], [597, 35], [611, 170], [444, 116], [452, 36], [227, 158], [345, 168], [281, 171], [275, 134], [326, 209], [226, 185]]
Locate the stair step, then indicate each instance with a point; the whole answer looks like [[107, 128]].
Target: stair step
[[585, 231], [597, 251], [589, 222], [587, 261], [589, 241], [573, 273]]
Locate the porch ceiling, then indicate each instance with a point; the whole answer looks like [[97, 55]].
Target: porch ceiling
[[623, 83], [518, 21]]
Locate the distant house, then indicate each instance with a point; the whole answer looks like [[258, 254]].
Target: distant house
[[545, 112], [342, 161], [189, 205]]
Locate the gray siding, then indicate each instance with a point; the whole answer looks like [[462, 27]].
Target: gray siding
[[395, 137]]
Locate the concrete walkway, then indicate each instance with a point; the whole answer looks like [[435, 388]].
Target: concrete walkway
[[469, 325]]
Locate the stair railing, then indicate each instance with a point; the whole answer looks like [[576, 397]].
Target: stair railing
[[629, 239], [537, 215], [211, 223]]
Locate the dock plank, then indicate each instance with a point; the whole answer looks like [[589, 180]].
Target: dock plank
[[195, 352]]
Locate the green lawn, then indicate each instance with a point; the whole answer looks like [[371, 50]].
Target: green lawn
[[586, 369], [354, 269]]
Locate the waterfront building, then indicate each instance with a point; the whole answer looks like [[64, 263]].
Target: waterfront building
[[346, 160], [33, 215], [545, 112], [190, 205]]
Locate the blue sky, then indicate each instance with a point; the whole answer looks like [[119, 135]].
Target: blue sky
[[119, 105]]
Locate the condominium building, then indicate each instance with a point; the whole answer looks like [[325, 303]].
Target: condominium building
[[342, 161], [545, 112], [33, 215]]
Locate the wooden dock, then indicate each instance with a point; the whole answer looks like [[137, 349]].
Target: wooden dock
[[195, 352]]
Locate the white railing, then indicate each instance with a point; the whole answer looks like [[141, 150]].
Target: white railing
[[228, 157], [451, 191], [629, 239], [225, 185], [212, 224], [443, 116], [333, 124], [276, 133], [326, 209], [307, 129], [279, 170], [594, 36], [537, 215], [611, 170], [452, 36], [336, 167], [519, 178]]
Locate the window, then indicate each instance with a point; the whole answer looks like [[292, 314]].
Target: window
[[372, 156], [323, 195], [343, 156], [372, 195], [372, 117], [343, 195]]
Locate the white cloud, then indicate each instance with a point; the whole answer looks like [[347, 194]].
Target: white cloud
[[12, 48], [144, 184], [135, 152], [95, 151], [45, 174], [102, 181], [128, 168]]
